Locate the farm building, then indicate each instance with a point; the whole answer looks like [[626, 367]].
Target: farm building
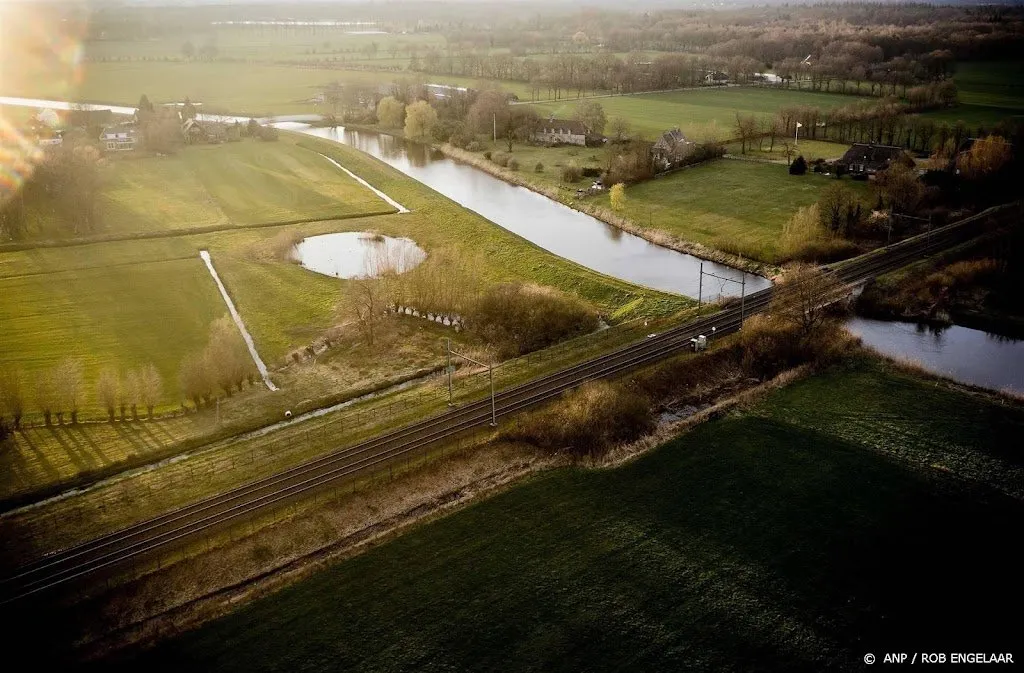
[[561, 132], [120, 138], [194, 131], [868, 159], [670, 149]]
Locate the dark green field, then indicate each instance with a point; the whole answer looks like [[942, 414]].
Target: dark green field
[[763, 541], [989, 91]]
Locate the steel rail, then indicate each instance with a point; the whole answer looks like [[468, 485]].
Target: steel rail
[[202, 516]]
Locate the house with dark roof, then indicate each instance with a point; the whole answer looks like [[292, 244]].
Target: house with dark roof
[[670, 149], [561, 132], [868, 159]]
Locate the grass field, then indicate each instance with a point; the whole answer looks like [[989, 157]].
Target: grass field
[[257, 89], [269, 43], [117, 315], [727, 204], [284, 306], [234, 184], [989, 93], [766, 540], [701, 113]]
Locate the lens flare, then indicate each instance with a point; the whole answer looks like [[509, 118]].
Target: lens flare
[[41, 57]]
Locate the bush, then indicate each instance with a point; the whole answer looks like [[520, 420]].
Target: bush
[[586, 421], [501, 159], [513, 164], [539, 168], [487, 155], [473, 146], [590, 172], [571, 173], [517, 318], [268, 133], [799, 166]]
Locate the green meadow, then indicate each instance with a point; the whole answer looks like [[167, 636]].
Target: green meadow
[[217, 186], [786, 536], [728, 204], [700, 113]]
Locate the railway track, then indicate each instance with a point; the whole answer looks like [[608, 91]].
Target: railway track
[[213, 513]]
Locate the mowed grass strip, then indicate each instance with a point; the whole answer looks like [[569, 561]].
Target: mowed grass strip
[[750, 543], [120, 316], [700, 112], [727, 204]]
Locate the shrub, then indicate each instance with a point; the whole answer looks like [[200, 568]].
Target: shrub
[[539, 168], [501, 158], [799, 166], [473, 146], [487, 155], [586, 421], [513, 164], [517, 318], [571, 172]]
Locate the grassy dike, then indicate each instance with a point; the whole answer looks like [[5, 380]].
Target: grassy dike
[[834, 517], [283, 305], [465, 232]]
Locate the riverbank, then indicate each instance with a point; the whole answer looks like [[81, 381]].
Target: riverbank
[[975, 284], [605, 215]]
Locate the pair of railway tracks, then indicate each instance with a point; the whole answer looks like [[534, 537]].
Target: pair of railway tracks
[[207, 516]]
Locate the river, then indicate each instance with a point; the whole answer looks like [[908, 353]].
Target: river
[[961, 353], [547, 223]]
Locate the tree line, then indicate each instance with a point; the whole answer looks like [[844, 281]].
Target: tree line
[[62, 391], [58, 394]]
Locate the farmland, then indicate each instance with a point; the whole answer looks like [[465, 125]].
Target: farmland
[[218, 186], [255, 89], [114, 303], [109, 315], [702, 114], [989, 92], [727, 204], [767, 538]]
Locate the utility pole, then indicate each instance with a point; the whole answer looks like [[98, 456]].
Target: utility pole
[[490, 376], [494, 127], [448, 369], [700, 284], [742, 282]]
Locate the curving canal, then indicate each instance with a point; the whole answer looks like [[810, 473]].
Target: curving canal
[[551, 225]]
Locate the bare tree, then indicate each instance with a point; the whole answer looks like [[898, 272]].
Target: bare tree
[[130, 391], [591, 113], [619, 127], [150, 388], [46, 395], [195, 379], [12, 397], [746, 129], [803, 297], [107, 391], [68, 382], [228, 358]]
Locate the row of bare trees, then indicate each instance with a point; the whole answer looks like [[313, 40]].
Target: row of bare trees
[[62, 390], [222, 366]]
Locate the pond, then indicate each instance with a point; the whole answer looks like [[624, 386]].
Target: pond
[[547, 223], [966, 355], [357, 254]]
